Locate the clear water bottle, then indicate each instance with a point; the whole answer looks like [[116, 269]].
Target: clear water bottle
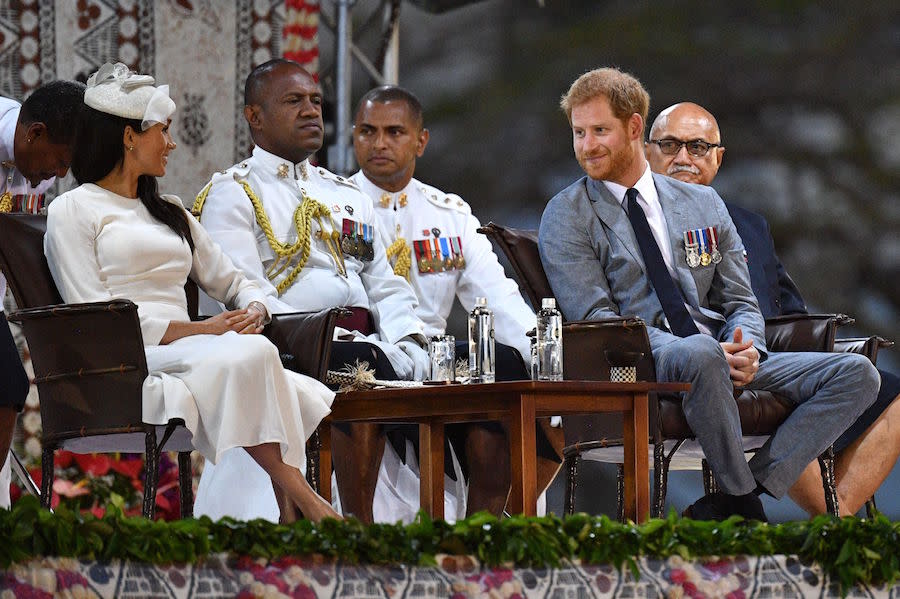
[[534, 359], [481, 343], [549, 342]]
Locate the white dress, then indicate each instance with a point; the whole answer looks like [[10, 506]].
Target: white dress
[[231, 390]]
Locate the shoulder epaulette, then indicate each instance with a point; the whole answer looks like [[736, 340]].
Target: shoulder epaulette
[[238, 173], [449, 201], [345, 181]]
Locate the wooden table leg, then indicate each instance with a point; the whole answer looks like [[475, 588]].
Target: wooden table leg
[[522, 458], [325, 461], [637, 468], [431, 469]]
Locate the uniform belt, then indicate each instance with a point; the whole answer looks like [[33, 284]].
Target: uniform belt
[[359, 320]]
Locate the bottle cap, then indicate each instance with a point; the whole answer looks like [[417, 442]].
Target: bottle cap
[[548, 302], [481, 301]]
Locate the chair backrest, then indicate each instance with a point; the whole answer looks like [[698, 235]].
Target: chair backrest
[[521, 248], [25, 266], [22, 260]]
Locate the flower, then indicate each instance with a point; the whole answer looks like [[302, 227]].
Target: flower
[[95, 464], [67, 488], [94, 482]]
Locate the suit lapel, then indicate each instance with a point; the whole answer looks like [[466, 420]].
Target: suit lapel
[[673, 207], [608, 210]]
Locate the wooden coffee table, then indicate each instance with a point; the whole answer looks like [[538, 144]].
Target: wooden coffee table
[[515, 403]]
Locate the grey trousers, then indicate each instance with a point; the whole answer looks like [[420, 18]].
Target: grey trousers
[[830, 391]]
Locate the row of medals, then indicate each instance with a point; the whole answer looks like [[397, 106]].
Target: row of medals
[[357, 247], [697, 258], [438, 264]]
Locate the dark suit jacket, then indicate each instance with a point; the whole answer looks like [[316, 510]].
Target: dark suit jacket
[[773, 287]]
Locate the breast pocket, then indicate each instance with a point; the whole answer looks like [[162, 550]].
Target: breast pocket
[[703, 278]]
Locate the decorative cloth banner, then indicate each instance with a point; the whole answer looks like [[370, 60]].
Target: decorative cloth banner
[[301, 33], [736, 577], [203, 49]]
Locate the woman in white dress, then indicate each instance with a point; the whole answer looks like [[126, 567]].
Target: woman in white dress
[[116, 237]]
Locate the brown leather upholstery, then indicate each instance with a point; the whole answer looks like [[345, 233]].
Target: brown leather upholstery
[[23, 260], [520, 247], [867, 346], [587, 346]]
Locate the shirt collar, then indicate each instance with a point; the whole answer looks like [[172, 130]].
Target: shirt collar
[[644, 185], [281, 168]]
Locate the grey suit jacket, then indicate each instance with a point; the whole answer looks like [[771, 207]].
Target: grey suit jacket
[[596, 270]]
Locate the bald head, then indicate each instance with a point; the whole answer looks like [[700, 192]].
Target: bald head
[[691, 127], [284, 110]]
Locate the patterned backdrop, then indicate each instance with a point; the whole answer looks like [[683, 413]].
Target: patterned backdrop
[[203, 49]]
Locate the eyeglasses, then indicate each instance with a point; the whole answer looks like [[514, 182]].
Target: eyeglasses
[[694, 147]]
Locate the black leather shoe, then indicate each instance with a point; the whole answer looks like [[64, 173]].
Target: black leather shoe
[[749, 506], [719, 506], [707, 507]]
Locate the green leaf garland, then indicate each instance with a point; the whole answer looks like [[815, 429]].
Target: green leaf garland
[[851, 550]]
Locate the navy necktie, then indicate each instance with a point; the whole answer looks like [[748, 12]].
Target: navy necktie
[[667, 292]]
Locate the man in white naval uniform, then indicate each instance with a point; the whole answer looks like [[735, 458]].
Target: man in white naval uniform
[[35, 148], [292, 227], [417, 223]]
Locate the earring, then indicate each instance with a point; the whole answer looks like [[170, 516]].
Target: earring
[[130, 148], [28, 140]]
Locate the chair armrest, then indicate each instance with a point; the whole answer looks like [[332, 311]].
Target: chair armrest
[[866, 346], [804, 332], [304, 339], [72, 310], [89, 364]]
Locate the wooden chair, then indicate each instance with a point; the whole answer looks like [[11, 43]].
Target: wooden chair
[[588, 347], [90, 365]]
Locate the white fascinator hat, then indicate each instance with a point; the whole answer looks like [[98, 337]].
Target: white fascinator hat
[[115, 90]]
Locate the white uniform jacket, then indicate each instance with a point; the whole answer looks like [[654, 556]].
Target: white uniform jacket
[[12, 180], [229, 216], [428, 213]]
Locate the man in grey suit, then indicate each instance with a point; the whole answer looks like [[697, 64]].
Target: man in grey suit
[[624, 241]]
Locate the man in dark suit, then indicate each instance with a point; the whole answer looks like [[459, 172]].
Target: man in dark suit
[[867, 450], [623, 241]]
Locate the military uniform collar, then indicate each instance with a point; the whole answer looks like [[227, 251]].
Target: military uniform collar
[[387, 199], [280, 167]]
